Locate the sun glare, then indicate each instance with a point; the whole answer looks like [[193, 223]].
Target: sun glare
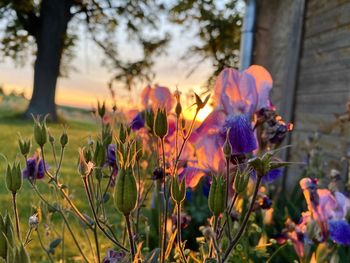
[[203, 113]]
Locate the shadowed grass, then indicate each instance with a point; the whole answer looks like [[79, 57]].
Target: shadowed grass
[[11, 125]]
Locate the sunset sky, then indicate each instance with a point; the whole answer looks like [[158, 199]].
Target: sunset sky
[[89, 83]]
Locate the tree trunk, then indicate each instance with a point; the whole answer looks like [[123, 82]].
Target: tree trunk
[[54, 18]]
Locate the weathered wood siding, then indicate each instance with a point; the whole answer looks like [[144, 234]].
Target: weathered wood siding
[[323, 86], [322, 83]]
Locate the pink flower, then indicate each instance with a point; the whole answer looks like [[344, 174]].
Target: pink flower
[[328, 209], [157, 97], [245, 92], [237, 96]]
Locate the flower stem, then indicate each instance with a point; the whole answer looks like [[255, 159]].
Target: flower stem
[[138, 196], [73, 236], [235, 240], [16, 216], [26, 241], [64, 219], [63, 192], [131, 239], [178, 223], [86, 185], [215, 243], [235, 196], [186, 137], [43, 247], [97, 245], [276, 252], [226, 200], [165, 214]]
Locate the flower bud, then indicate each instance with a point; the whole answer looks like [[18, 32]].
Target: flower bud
[[261, 167], [99, 157], [13, 178], [125, 195], [201, 104], [101, 109], [64, 139], [178, 109], [51, 138], [227, 148], [241, 181], [33, 221], [216, 199], [178, 189], [24, 146], [107, 135], [161, 124], [122, 134], [84, 168], [149, 117], [40, 132]]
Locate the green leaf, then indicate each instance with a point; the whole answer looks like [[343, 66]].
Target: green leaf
[[54, 244]]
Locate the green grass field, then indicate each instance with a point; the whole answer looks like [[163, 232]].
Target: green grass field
[[80, 127]]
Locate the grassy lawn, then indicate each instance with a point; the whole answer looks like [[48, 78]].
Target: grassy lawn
[[79, 130]]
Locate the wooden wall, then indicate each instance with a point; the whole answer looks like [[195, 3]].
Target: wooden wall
[[321, 71]]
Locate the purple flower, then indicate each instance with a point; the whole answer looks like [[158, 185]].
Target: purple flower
[[157, 97], [114, 257], [339, 231], [111, 155], [112, 162], [328, 209], [34, 169], [265, 202], [138, 122], [237, 97], [245, 92], [241, 135], [157, 174], [272, 175]]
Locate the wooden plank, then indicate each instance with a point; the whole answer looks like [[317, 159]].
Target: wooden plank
[[322, 122], [318, 7], [335, 146], [319, 108], [319, 99], [320, 82], [326, 64], [329, 20], [327, 42]]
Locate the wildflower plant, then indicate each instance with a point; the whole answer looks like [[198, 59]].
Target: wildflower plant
[[140, 179]]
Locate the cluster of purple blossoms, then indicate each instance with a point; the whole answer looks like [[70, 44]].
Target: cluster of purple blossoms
[[325, 219], [34, 169]]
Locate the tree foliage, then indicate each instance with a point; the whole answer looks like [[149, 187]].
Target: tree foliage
[[105, 20], [217, 24]]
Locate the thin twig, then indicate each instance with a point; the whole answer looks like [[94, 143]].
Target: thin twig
[[86, 184]]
